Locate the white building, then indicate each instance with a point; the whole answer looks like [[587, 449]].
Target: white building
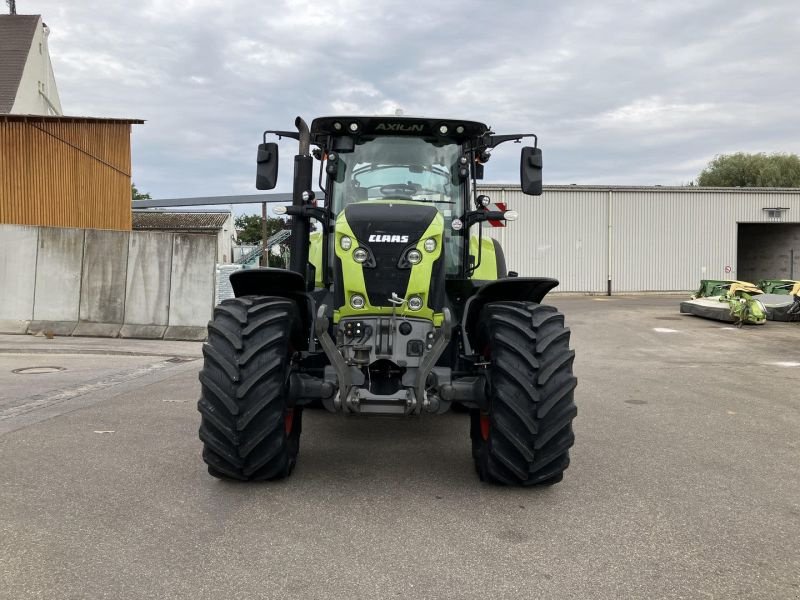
[[631, 239], [216, 222], [27, 83]]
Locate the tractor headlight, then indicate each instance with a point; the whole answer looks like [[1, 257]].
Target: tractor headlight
[[360, 255], [415, 303], [414, 256], [357, 301], [345, 242], [430, 245]]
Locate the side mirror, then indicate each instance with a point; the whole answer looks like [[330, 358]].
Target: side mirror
[[267, 166], [530, 171]]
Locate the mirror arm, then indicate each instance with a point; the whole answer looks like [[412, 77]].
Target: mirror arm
[[310, 212], [479, 216], [492, 141], [282, 134]]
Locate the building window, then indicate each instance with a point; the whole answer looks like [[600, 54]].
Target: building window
[[775, 213]]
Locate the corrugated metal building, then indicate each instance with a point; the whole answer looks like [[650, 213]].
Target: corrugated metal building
[[65, 171], [630, 239]]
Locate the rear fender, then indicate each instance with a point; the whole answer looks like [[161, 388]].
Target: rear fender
[[267, 281], [524, 289]]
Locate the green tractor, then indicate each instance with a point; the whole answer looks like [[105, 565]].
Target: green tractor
[[397, 305]]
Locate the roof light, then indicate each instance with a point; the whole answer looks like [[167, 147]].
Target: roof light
[[353, 126], [279, 210], [443, 129]]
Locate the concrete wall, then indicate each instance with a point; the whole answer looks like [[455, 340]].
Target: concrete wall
[[192, 289], [148, 284], [102, 307], [59, 264], [766, 251], [18, 245], [106, 283]]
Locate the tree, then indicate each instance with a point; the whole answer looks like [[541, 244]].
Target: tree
[[752, 170], [137, 195], [248, 228]]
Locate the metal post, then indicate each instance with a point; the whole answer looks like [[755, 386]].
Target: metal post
[[791, 263], [264, 249], [609, 243]]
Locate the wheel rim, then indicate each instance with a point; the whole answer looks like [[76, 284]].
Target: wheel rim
[[485, 421]]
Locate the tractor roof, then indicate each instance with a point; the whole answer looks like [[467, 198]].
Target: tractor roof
[[454, 130]]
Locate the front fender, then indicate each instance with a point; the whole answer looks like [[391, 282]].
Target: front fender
[[525, 289], [268, 281]]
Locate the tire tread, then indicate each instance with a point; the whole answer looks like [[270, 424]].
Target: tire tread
[[243, 387], [531, 387]]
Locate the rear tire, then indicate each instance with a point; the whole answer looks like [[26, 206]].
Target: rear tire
[[525, 437], [248, 431]]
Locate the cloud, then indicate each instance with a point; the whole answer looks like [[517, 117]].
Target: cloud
[[618, 93]]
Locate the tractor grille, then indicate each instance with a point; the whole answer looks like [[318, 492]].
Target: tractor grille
[[386, 277]]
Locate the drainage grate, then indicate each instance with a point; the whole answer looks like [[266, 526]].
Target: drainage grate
[[38, 370]]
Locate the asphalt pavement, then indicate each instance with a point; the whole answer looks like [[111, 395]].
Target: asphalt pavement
[[684, 482]]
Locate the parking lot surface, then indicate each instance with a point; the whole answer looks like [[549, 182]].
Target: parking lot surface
[[684, 482]]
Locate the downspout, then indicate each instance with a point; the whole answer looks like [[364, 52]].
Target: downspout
[[50, 104], [609, 242]]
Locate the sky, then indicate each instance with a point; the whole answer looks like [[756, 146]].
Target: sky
[[642, 93]]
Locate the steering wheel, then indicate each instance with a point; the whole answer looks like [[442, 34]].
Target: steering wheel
[[400, 189]]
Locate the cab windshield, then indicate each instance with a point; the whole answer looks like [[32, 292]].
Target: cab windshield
[[399, 168], [405, 168]]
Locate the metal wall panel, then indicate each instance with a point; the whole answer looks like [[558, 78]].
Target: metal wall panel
[[559, 234], [660, 239], [670, 240]]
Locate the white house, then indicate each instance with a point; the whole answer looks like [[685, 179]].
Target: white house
[[27, 83]]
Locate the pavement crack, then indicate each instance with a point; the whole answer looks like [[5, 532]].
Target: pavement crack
[[29, 404]]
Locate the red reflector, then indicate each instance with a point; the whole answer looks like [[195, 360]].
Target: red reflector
[[485, 427], [288, 420]]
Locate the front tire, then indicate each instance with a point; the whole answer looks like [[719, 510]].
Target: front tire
[[525, 437], [247, 429]]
